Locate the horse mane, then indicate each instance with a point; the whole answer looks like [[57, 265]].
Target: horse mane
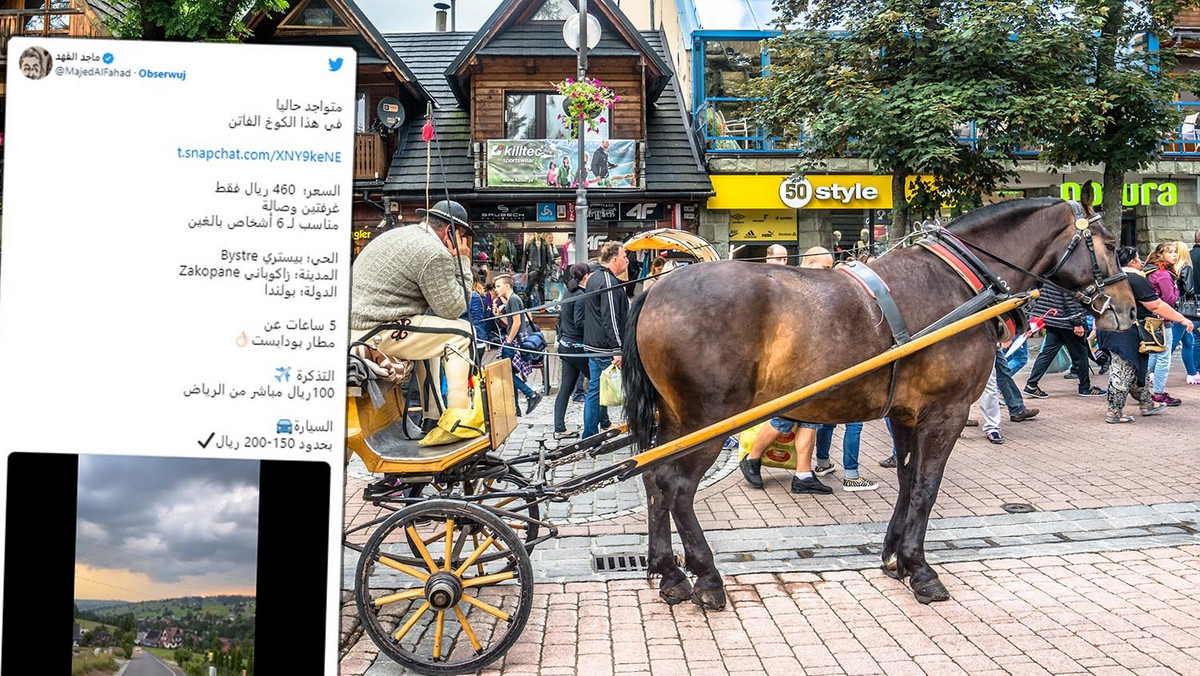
[[1000, 213]]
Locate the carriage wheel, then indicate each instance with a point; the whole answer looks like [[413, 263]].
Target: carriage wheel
[[511, 481], [457, 606]]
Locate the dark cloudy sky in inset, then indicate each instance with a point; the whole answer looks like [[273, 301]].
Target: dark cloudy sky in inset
[[177, 523]]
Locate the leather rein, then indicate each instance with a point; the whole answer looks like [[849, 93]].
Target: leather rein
[[989, 289]]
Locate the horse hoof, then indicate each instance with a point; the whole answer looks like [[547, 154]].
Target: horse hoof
[[676, 593], [930, 591], [891, 567], [709, 599]]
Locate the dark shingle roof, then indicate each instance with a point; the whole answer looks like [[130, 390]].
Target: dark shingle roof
[[673, 162], [111, 12], [427, 55]]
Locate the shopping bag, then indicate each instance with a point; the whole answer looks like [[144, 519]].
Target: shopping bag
[[611, 393], [458, 424], [1061, 362], [781, 452]]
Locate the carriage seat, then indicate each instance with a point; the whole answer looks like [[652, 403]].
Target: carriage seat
[[376, 433]]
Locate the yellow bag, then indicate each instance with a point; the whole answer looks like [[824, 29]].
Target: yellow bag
[[781, 452], [458, 424], [611, 393]]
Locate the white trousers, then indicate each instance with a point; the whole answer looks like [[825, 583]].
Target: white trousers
[[989, 404]]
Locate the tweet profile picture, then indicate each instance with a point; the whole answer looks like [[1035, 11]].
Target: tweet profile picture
[[35, 63]]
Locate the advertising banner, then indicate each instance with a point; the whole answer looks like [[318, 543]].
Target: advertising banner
[[544, 163], [762, 225]]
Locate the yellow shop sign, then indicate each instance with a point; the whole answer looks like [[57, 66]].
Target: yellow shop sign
[[762, 225], [784, 191]]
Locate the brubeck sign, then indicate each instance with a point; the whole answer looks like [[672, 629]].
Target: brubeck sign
[[1132, 194], [553, 164]]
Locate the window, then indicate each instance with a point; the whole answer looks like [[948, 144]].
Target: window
[[535, 116], [730, 65], [554, 10], [47, 24]]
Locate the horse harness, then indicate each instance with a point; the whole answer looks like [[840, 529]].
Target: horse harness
[[988, 288]]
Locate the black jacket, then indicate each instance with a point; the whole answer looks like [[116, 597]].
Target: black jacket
[[1070, 312], [570, 318], [604, 316]]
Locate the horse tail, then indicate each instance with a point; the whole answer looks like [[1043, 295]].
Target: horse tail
[[641, 399]]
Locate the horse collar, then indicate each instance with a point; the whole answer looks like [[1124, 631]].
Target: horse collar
[[952, 251]]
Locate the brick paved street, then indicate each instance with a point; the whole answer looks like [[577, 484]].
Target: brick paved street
[[1104, 577]]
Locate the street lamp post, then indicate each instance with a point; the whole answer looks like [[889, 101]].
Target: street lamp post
[[588, 36]]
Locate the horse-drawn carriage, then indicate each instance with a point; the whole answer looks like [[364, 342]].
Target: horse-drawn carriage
[[444, 583]]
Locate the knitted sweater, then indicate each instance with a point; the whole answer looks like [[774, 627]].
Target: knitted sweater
[[402, 273]]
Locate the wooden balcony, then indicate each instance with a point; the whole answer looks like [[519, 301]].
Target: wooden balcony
[[370, 159], [13, 24]]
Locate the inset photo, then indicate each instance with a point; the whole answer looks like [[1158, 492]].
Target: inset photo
[[165, 565]]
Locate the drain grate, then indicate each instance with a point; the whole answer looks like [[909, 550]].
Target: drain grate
[[620, 563], [1017, 507], [626, 563]]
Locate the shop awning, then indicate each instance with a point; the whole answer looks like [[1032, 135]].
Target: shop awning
[[674, 240]]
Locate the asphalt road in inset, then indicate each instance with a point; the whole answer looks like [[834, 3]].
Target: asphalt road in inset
[[146, 664]]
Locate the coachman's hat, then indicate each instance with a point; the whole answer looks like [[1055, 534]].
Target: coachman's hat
[[450, 211]]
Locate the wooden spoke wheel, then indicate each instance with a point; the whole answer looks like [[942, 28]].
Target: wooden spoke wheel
[[459, 603], [511, 481]]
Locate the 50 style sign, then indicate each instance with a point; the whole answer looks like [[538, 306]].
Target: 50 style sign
[[797, 192]]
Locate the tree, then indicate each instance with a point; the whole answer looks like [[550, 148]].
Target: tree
[[901, 78], [190, 20], [1134, 87]]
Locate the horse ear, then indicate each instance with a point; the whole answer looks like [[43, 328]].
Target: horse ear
[[1086, 197]]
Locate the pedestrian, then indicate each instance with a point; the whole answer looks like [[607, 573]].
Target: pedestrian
[[604, 323], [1127, 375], [1064, 328], [519, 325], [804, 481], [1009, 392], [656, 266], [569, 333], [1190, 340], [851, 441], [777, 254], [989, 408], [1160, 271], [478, 309]]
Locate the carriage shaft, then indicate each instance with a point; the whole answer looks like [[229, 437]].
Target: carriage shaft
[[639, 463]]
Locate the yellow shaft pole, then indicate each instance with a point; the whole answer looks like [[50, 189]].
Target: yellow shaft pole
[[766, 409]]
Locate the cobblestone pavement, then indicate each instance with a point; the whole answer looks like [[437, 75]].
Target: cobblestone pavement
[[1101, 577]]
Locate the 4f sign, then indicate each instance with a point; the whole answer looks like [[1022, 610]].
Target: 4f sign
[[796, 192], [641, 211]]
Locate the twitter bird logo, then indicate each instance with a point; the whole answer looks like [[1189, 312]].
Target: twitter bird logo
[[335, 64]]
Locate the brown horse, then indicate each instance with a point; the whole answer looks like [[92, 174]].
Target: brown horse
[[712, 340]]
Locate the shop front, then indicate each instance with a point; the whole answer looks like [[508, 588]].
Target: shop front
[[535, 241]]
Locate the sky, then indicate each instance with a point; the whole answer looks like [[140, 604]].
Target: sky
[[411, 16], [153, 528]]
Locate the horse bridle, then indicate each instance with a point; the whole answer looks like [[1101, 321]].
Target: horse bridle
[[1094, 292]]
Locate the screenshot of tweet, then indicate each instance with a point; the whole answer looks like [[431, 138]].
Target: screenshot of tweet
[[174, 292]]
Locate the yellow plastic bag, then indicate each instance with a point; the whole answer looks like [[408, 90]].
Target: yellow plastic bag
[[781, 452], [458, 424], [611, 393]]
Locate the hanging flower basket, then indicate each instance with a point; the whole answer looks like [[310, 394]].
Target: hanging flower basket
[[586, 103]]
